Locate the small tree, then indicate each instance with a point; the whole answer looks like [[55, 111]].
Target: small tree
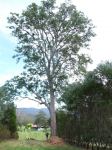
[[49, 42], [5, 98], [7, 114], [9, 119], [2, 101], [41, 120]]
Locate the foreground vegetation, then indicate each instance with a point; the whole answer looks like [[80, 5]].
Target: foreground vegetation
[[31, 145], [34, 143], [37, 135], [89, 106]]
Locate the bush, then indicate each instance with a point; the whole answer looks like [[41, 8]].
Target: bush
[[4, 133], [15, 135], [9, 120], [61, 118]]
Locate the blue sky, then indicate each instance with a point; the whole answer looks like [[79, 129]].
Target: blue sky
[[6, 52], [100, 47], [8, 66]]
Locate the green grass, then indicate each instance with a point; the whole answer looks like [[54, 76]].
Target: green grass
[[38, 135], [31, 145], [37, 142]]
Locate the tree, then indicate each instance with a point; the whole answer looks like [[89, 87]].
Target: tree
[[5, 98], [41, 120], [23, 118], [2, 94], [49, 41], [89, 104], [7, 113], [9, 119]]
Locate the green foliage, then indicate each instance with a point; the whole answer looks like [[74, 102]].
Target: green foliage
[[89, 106], [41, 120], [5, 98], [7, 114], [9, 119], [50, 38], [28, 126], [49, 43], [4, 133], [24, 119], [62, 118]]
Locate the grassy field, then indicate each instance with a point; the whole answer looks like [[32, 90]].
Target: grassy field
[[38, 135], [31, 145], [36, 142]]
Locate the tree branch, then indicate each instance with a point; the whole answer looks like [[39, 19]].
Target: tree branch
[[41, 102]]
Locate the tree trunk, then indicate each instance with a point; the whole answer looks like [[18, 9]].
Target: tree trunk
[[52, 114]]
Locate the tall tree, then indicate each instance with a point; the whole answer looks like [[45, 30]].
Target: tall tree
[[49, 42]]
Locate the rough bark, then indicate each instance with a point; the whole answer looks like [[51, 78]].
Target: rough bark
[[53, 114]]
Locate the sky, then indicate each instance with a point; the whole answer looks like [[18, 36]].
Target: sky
[[100, 11]]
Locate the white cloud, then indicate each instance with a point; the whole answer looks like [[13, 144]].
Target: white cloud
[[7, 6], [101, 14], [26, 103], [8, 75]]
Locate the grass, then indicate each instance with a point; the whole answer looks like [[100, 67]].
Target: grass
[[31, 145], [23, 143], [38, 135]]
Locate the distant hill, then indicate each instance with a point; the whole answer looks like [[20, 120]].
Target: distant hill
[[33, 111], [27, 115]]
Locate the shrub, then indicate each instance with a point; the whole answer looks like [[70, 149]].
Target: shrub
[[9, 120], [4, 133]]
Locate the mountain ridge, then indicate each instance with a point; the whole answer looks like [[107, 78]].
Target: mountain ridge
[[32, 111]]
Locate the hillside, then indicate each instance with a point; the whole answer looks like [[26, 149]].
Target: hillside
[[27, 115]]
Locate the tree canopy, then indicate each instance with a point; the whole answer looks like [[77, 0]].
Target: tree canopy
[[41, 120], [8, 126], [89, 105], [49, 41]]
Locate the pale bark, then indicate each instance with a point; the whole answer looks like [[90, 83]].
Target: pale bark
[[52, 114]]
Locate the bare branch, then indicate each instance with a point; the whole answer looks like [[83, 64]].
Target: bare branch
[[40, 101]]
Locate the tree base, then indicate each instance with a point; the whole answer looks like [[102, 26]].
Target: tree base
[[56, 140]]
